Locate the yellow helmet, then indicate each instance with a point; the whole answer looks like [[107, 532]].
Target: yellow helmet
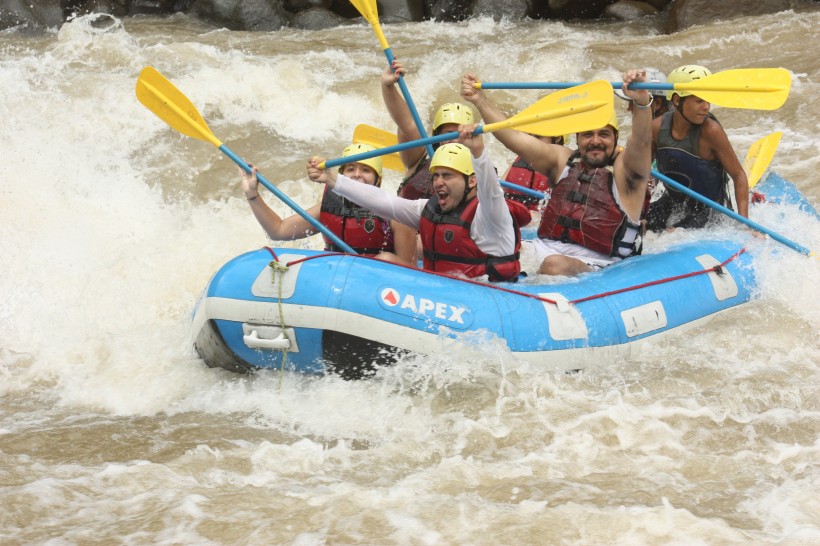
[[685, 74], [454, 156], [374, 163], [613, 120], [453, 112]]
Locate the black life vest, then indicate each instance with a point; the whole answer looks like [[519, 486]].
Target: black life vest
[[680, 160]]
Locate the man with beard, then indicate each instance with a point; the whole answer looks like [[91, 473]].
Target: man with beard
[[467, 227], [692, 148], [593, 216]]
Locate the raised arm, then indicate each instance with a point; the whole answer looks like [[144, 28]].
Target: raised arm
[[492, 229], [633, 165], [390, 207], [406, 129], [544, 157], [292, 227]]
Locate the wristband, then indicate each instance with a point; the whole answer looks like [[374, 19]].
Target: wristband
[[252, 198], [644, 106]]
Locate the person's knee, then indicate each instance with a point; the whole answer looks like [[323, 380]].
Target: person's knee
[[552, 265], [562, 265], [388, 257]]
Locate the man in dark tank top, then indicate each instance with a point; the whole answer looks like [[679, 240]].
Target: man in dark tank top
[[692, 148]]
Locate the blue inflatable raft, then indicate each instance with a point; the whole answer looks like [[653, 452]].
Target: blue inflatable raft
[[314, 312]]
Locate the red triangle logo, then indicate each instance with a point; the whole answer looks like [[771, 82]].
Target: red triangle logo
[[391, 297]]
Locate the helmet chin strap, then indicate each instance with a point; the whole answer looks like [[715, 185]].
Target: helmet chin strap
[[466, 190], [679, 108], [614, 153]]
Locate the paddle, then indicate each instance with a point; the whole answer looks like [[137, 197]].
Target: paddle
[[760, 156], [729, 212], [160, 96], [752, 88], [381, 138], [370, 12], [583, 108], [367, 134]]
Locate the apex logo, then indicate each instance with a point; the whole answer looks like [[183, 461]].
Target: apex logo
[[437, 311], [390, 297]]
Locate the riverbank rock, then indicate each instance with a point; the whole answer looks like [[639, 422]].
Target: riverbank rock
[[31, 14], [268, 15], [263, 15], [630, 9], [686, 13], [317, 19], [513, 10]]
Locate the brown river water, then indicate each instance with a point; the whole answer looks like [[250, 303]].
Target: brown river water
[[112, 431]]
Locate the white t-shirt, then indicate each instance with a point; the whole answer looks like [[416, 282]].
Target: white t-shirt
[[492, 228]]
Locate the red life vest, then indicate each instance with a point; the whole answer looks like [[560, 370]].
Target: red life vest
[[523, 174], [582, 210], [419, 185], [365, 232], [448, 247]]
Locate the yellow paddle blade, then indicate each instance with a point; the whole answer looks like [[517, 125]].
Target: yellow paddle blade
[[368, 9], [752, 88], [160, 96], [760, 156], [366, 134], [581, 108]]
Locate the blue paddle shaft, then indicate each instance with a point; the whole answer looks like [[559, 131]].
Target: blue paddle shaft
[[416, 143], [567, 85], [522, 189], [289, 202], [409, 100], [732, 214], [397, 147]]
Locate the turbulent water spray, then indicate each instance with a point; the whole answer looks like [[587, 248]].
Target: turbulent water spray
[[110, 225]]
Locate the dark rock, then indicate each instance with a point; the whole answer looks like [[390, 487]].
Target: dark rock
[[400, 11], [344, 8], [35, 15], [629, 9], [448, 10], [263, 15], [158, 7], [513, 10], [297, 6], [577, 9], [685, 13], [84, 7], [318, 19]]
